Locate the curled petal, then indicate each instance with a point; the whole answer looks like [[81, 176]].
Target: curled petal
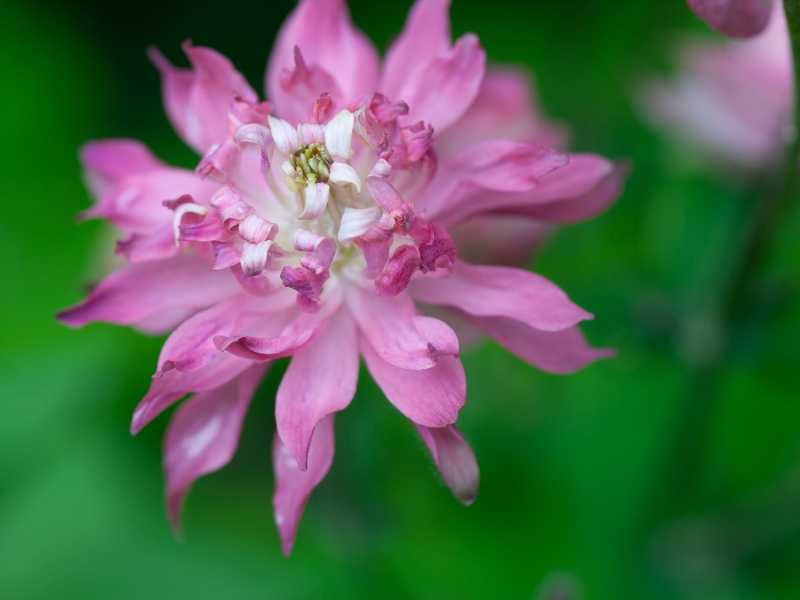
[[357, 221], [397, 271], [254, 257], [293, 486], [431, 397], [321, 379], [454, 459], [284, 135], [185, 209], [339, 135], [315, 198], [203, 435], [343, 174], [255, 230]]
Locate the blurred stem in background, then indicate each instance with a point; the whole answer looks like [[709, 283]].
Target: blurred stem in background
[[706, 333]]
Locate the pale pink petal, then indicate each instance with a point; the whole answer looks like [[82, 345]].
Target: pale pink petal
[[191, 345], [327, 39], [430, 397], [441, 92], [131, 185], [425, 37], [293, 486], [203, 435], [455, 460], [199, 99], [169, 386], [139, 291], [586, 184], [357, 221], [461, 183], [574, 208], [284, 338], [320, 380], [738, 18], [315, 198], [488, 291], [108, 161], [344, 175], [506, 108], [284, 135], [397, 334], [302, 87], [144, 247], [339, 135], [559, 352]]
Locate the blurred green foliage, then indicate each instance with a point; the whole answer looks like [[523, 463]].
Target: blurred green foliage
[[578, 473]]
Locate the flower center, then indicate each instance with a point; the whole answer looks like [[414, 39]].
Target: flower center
[[311, 164]]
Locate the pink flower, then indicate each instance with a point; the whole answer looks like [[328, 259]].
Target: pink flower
[[738, 18], [733, 99], [313, 225]]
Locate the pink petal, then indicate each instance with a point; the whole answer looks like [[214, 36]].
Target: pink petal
[[397, 334], [169, 386], [191, 346], [320, 380], [425, 37], [144, 247], [559, 352], [198, 100], [108, 161], [130, 185], [203, 435], [490, 169], [506, 108], [604, 191], [139, 291], [327, 39], [738, 18], [441, 92], [302, 86], [454, 459], [293, 486], [501, 291], [430, 397], [285, 336]]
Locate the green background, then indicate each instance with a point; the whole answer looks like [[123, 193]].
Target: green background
[[661, 474]]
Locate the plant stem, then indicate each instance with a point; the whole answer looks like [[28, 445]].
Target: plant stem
[[678, 483]]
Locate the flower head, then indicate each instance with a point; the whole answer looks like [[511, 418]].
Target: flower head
[[312, 227], [731, 99]]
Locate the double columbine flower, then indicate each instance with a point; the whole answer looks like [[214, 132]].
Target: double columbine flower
[[314, 224], [738, 18]]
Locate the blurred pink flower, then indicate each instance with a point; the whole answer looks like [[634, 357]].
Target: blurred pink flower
[[731, 99], [737, 18], [312, 225]]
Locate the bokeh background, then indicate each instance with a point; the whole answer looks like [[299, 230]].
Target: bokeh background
[[670, 472]]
